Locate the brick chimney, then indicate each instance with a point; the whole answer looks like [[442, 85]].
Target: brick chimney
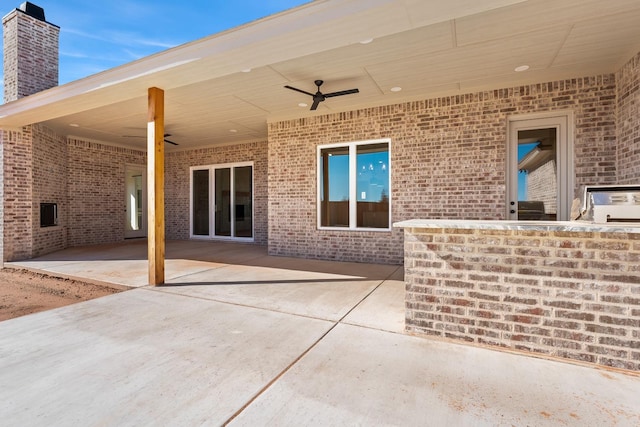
[[30, 52]]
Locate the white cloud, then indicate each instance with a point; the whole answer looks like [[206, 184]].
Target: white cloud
[[156, 43], [70, 54]]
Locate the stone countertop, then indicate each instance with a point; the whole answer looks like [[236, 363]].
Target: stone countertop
[[577, 226]]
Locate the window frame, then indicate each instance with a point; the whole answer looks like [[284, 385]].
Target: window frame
[[353, 159]]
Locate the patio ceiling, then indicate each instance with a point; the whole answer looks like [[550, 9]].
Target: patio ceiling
[[428, 48]]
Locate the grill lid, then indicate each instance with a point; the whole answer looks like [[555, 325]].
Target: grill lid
[[611, 203]]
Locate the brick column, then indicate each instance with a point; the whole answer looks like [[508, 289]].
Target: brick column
[[30, 52], [30, 66]]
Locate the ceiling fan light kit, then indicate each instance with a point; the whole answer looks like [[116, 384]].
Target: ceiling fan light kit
[[318, 97]]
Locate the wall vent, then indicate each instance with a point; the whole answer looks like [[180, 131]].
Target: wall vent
[[48, 214]]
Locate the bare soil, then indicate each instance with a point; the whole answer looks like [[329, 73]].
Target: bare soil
[[24, 292]]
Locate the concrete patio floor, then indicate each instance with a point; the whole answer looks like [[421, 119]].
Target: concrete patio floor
[[242, 338]]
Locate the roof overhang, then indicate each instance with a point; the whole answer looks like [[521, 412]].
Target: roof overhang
[[427, 47]]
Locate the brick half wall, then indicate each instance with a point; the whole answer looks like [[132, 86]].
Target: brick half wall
[[567, 294]]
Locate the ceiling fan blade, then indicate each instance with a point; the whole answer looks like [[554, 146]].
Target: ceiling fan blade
[[340, 93], [316, 101], [299, 90], [141, 136], [171, 142]]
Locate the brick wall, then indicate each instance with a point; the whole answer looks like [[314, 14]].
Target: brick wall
[[448, 161], [178, 182], [96, 191], [31, 55], [574, 295], [628, 124], [49, 186], [18, 198]]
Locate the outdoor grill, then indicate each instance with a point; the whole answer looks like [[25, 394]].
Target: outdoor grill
[[612, 203]]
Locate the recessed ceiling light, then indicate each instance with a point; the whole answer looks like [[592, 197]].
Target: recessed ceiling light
[[233, 130], [521, 68], [366, 41], [395, 89], [302, 104], [74, 125], [246, 70]]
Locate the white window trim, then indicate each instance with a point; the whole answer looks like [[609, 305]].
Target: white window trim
[[212, 235], [353, 212]]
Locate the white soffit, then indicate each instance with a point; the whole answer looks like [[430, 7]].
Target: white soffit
[[428, 48], [312, 28]]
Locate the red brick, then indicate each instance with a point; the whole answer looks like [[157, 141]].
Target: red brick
[[575, 315], [562, 344], [573, 335], [518, 318], [562, 324], [616, 342], [607, 330], [609, 320], [563, 304], [519, 300]]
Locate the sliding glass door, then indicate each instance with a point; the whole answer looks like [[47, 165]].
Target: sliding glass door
[[222, 201]]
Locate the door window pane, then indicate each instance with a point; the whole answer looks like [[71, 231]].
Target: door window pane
[[537, 175], [201, 202], [372, 186], [223, 202], [242, 181], [334, 187]]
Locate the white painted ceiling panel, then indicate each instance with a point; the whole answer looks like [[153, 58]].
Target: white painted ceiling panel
[[606, 38]]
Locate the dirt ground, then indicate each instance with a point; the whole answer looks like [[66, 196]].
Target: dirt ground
[[24, 292]]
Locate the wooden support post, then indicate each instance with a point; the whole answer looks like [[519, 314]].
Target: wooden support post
[[155, 186]]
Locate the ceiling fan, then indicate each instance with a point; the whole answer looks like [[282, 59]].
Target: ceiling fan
[[318, 97], [166, 135]]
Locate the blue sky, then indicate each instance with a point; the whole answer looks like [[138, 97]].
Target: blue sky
[[99, 35]]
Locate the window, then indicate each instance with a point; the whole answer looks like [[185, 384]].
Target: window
[[354, 185]]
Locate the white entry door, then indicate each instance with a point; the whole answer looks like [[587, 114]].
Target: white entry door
[[135, 218], [540, 168]]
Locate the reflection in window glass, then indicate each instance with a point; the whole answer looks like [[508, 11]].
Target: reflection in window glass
[[242, 201], [200, 202], [538, 175], [223, 202], [372, 186], [334, 187]]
